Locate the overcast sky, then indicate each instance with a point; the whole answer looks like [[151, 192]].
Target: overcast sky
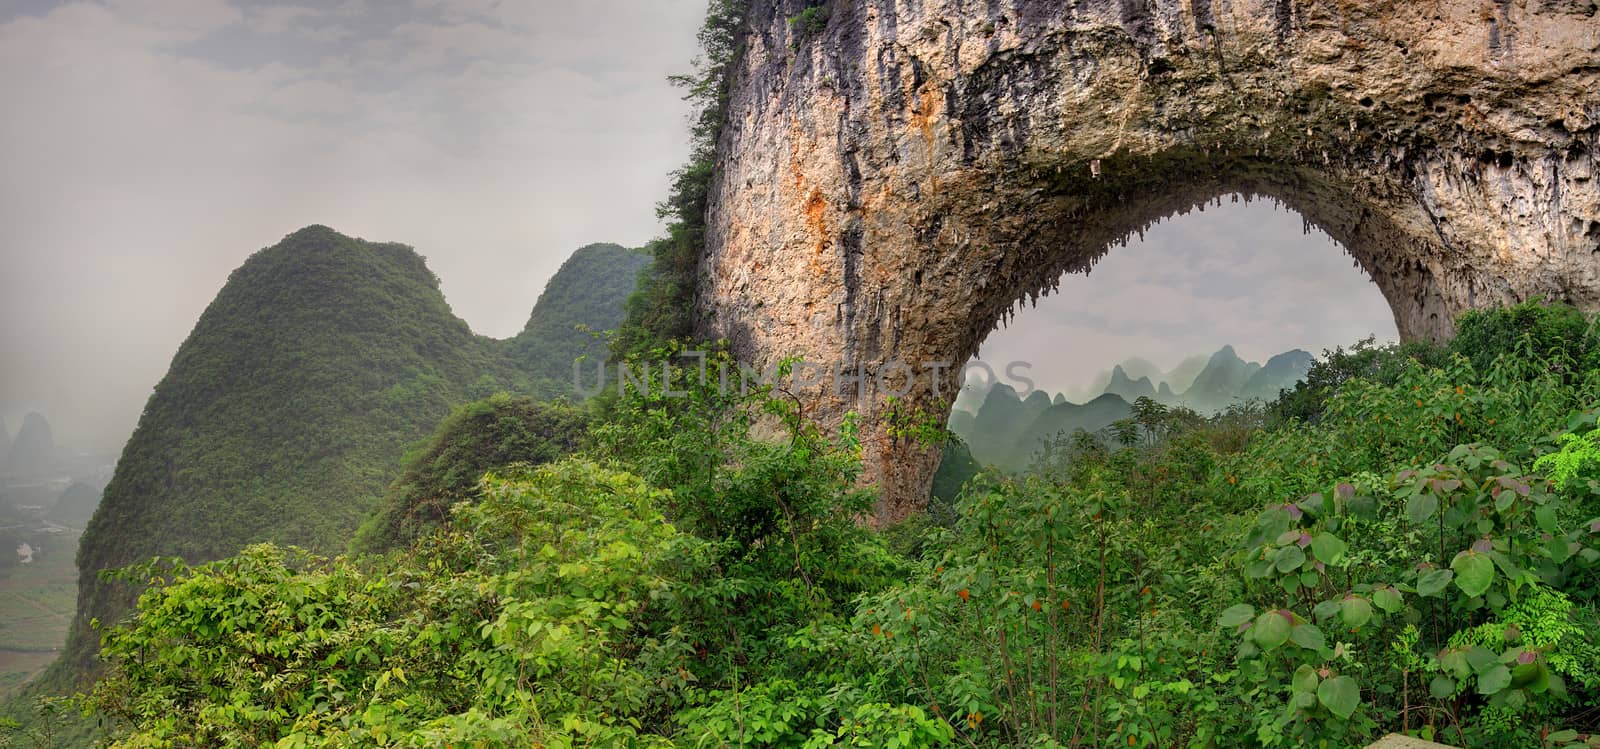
[[147, 147]]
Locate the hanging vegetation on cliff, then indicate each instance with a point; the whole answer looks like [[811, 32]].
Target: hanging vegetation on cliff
[[663, 306]]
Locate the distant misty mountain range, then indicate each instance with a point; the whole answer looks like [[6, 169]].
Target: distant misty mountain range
[[1004, 428]]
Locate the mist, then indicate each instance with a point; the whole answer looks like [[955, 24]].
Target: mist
[[151, 146]]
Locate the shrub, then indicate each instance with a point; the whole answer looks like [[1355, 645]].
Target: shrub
[[497, 432]]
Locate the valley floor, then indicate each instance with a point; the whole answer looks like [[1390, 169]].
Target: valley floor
[[36, 605]]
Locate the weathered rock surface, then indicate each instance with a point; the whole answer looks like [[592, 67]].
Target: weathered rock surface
[[894, 183]]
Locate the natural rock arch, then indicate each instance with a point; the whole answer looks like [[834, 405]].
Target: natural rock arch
[[891, 185]]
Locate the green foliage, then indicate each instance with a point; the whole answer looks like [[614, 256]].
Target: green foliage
[[810, 22], [1423, 557], [478, 437], [525, 623], [1365, 360], [1558, 334], [561, 608], [1576, 466]]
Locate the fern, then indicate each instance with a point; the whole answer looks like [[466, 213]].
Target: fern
[[1577, 462]]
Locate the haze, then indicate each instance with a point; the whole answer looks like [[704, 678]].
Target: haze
[[151, 145]]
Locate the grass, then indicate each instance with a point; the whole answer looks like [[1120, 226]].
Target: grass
[[36, 605]]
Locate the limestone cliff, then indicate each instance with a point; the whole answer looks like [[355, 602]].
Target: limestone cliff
[[893, 182]]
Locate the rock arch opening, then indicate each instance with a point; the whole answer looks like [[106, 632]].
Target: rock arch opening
[[891, 183], [1220, 305]]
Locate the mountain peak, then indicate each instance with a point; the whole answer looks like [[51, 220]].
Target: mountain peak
[[1128, 388], [588, 293], [31, 454], [1291, 358], [314, 232], [1002, 390]]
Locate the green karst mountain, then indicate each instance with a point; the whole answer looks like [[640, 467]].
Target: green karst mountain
[[1221, 381], [1134, 368], [1181, 377], [962, 421], [32, 453], [1279, 373], [1138, 367], [1007, 431], [1129, 389], [76, 505], [285, 415], [586, 294], [1002, 412], [1065, 418]]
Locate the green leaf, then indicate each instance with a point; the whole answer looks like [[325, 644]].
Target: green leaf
[[1442, 687], [1314, 504], [1308, 636], [1341, 695], [1434, 582], [1355, 611], [1273, 521], [1481, 659], [1290, 558], [1363, 506], [1420, 507], [1305, 679], [1494, 680], [1388, 599], [1546, 518], [1533, 677], [1271, 630], [1234, 616], [1559, 550], [1324, 610], [1474, 572], [1328, 548]]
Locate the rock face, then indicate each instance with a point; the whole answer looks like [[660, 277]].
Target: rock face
[[895, 182]]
